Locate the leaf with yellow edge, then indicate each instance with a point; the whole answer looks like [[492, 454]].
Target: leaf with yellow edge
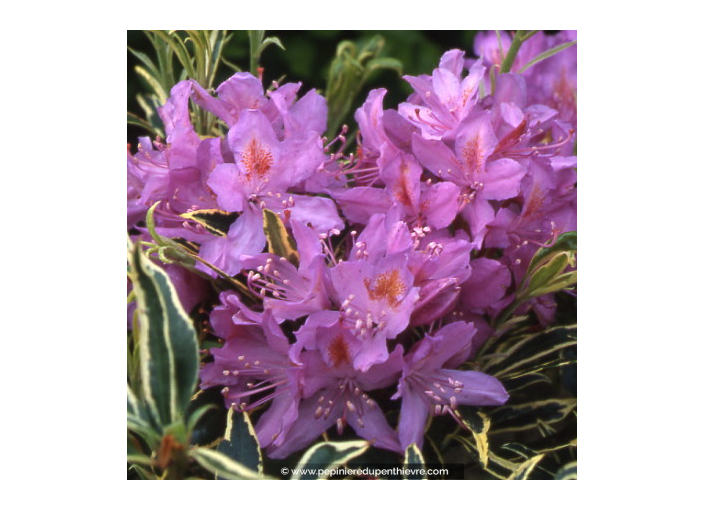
[[279, 241]]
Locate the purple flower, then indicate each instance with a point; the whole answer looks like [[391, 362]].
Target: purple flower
[[377, 300], [254, 364], [443, 100], [430, 386], [334, 392]]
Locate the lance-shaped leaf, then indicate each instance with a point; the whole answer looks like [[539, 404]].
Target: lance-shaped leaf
[[497, 466], [565, 242], [508, 418], [349, 71], [167, 340], [533, 351], [278, 238], [138, 121], [222, 466], [525, 469], [215, 221], [327, 456], [414, 460], [547, 53], [478, 424], [240, 442], [567, 472]]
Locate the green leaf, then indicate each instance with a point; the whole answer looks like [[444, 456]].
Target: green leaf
[[544, 276], [525, 469], [195, 417], [267, 42], [531, 351], [567, 472], [222, 466], [497, 466], [215, 221], [565, 242], [547, 54], [524, 381], [414, 460], [478, 424], [150, 105], [520, 37], [564, 281], [178, 46], [138, 121], [240, 442], [385, 63], [513, 418], [154, 83], [348, 73], [168, 345], [148, 62], [280, 242], [328, 456]]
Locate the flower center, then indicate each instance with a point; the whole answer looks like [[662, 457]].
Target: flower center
[[386, 286], [257, 159], [338, 351]]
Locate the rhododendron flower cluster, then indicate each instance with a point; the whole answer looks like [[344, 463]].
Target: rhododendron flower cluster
[[407, 250]]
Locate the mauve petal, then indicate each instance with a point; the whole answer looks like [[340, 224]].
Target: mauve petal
[[337, 346], [300, 158], [476, 141], [562, 162], [419, 116], [436, 298], [510, 88], [243, 91], [398, 129], [306, 428], [306, 334], [497, 235], [382, 236], [478, 214], [373, 351], [318, 212], [176, 116], [369, 118], [307, 242], [383, 374], [224, 180], [245, 237], [274, 423], [308, 114], [502, 179], [438, 158], [440, 204], [412, 419], [453, 61], [511, 114], [358, 204], [447, 87], [470, 87], [219, 108], [256, 149], [274, 336], [487, 284], [448, 343], [369, 422], [402, 178], [478, 389]]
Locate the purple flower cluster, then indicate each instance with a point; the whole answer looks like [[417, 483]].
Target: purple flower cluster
[[408, 249]]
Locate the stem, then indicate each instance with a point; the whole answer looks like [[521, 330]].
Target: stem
[[255, 41], [513, 50]]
